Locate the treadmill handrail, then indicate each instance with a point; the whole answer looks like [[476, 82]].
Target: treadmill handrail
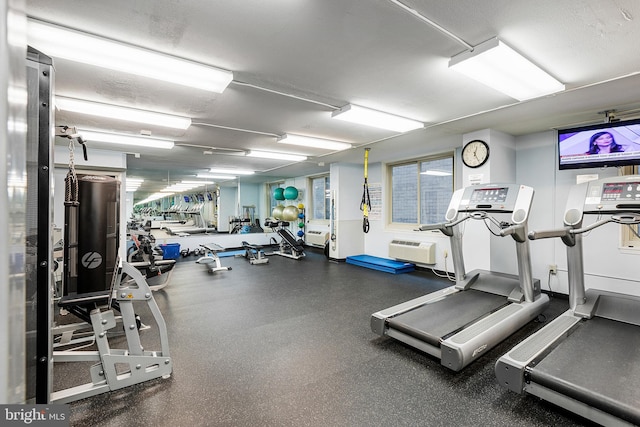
[[567, 233], [564, 233], [517, 231], [445, 227]]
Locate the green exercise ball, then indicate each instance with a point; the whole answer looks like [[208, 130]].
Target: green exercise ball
[[277, 212], [278, 193], [301, 224], [291, 193], [290, 213]]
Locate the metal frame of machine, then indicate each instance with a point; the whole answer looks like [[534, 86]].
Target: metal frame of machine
[[518, 297], [583, 360]]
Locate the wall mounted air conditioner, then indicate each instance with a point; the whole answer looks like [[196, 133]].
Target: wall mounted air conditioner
[[418, 252], [317, 238]]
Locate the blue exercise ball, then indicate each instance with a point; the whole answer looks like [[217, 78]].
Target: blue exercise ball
[[278, 193], [291, 193], [301, 215], [300, 233]]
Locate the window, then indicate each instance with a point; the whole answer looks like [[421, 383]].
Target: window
[[421, 190], [320, 198]]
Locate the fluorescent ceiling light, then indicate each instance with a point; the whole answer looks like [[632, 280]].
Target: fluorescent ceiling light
[[122, 113], [277, 156], [181, 186], [435, 173], [202, 175], [73, 45], [151, 198], [496, 65], [232, 171], [307, 141], [365, 116], [198, 182], [112, 138]]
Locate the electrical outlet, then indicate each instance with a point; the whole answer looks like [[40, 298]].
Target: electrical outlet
[[553, 269]]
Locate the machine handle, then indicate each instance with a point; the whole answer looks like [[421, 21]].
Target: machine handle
[[546, 234], [567, 235], [516, 231], [592, 226], [438, 226], [445, 227]]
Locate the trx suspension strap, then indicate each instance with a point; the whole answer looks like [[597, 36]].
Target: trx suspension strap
[[365, 204]]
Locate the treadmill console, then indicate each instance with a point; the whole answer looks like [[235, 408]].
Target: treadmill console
[[489, 195], [501, 198], [603, 196]]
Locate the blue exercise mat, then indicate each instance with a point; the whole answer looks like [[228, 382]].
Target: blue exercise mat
[[230, 253], [381, 264]]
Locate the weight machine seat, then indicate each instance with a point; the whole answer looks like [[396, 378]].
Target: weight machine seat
[[432, 322], [274, 224], [248, 245], [213, 247], [597, 365], [288, 236]]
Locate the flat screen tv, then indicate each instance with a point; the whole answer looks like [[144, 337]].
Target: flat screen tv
[[602, 145]]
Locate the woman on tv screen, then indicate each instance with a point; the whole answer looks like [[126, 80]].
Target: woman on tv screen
[[602, 143]]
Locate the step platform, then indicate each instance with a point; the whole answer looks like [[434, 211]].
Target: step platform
[[381, 264]]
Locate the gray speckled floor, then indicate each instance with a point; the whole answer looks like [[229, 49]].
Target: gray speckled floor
[[288, 344]]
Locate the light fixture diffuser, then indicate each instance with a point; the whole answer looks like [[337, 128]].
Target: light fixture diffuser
[[65, 43], [112, 138], [199, 182], [276, 156], [496, 65], [122, 113], [307, 141], [368, 117], [208, 176], [232, 171]]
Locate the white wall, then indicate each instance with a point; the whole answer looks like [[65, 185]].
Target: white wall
[[346, 184], [376, 242], [502, 255], [607, 265], [227, 207], [529, 160]]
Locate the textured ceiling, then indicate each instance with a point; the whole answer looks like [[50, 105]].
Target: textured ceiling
[[296, 61]]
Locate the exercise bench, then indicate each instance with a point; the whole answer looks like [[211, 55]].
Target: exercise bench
[[211, 259], [254, 253]]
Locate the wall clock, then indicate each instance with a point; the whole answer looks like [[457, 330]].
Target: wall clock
[[475, 153]]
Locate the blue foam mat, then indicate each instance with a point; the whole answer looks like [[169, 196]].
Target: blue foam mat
[[381, 264], [230, 253]]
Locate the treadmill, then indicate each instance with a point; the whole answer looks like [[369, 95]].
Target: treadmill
[[587, 359], [460, 323]]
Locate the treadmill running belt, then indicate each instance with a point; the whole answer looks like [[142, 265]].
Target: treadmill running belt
[[431, 322], [597, 365]]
